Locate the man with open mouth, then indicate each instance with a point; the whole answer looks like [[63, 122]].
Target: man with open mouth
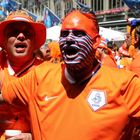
[[78, 41], [19, 38]]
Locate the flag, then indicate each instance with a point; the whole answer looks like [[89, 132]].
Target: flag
[[32, 15], [2, 14], [83, 7], [9, 5], [50, 19], [133, 5]]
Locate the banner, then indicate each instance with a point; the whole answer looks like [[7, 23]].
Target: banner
[[112, 11]]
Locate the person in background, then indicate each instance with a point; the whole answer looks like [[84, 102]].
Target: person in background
[[134, 50], [135, 65], [127, 50], [130, 36], [125, 58], [43, 53], [50, 52], [105, 54], [20, 37], [78, 99], [114, 48], [55, 52]]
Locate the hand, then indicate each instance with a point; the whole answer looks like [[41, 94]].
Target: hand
[[23, 136]]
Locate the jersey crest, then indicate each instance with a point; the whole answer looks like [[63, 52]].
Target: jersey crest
[[96, 99]]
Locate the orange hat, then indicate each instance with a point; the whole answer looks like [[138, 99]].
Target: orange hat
[[81, 21], [20, 15]]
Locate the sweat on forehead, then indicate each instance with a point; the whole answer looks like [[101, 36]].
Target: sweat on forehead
[[77, 20]]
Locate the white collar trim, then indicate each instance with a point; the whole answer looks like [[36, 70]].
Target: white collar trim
[[10, 69]]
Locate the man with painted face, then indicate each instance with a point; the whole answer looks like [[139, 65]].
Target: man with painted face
[[77, 42], [80, 99]]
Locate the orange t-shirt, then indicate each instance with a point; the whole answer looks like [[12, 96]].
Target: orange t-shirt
[[98, 109], [11, 116]]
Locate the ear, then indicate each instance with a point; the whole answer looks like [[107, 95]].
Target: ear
[[96, 41]]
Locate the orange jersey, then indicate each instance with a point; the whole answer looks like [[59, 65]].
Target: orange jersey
[[99, 109], [135, 64], [109, 61], [15, 117]]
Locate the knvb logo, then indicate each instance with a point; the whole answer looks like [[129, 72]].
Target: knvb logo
[[96, 99]]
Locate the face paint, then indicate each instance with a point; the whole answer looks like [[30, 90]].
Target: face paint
[[76, 48], [86, 22], [78, 41]]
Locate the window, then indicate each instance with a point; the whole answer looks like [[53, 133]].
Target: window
[[116, 4], [58, 10], [68, 6], [98, 5]]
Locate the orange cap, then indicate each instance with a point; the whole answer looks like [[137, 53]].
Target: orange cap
[[81, 21]]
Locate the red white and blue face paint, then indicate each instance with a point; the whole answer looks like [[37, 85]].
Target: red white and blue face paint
[[76, 48]]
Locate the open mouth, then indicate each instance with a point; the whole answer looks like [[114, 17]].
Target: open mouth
[[71, 52], [20, 47]]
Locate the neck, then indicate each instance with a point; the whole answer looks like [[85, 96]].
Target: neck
[[83, 74], [19, 66]]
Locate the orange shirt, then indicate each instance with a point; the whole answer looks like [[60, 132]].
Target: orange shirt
[[15, 117], [109, 61], [99, 109], [135, 64]]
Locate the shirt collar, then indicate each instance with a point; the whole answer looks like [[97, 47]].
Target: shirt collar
[[10, 69], [13, 73]]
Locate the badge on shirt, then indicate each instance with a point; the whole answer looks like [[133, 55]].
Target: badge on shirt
[[96, 99]]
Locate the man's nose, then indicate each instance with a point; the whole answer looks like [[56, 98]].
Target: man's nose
[[70, 41], [70, 37], [21, 36]]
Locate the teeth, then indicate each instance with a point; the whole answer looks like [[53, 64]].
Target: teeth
[[20, 46], [71, 56]]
